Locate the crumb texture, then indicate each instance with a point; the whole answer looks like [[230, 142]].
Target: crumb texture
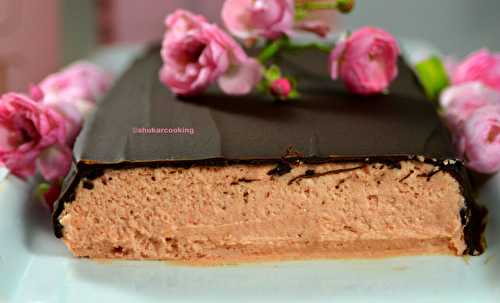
[[238, 212]]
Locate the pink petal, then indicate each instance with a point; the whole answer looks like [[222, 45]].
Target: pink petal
[[54, 162], [251, 18], [36, 93], [236, 17], [242, 78], [318, 27], [335, 58]]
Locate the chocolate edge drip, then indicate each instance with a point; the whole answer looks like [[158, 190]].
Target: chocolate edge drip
[[473, 215], [281, 169], [312, 174]]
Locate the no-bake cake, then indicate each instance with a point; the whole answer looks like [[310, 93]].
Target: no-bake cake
[[332, 175]]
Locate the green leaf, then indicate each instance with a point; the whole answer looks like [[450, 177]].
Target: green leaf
[[294, 94], [273, 73], [262, 86], [433, 76], [41, 190]]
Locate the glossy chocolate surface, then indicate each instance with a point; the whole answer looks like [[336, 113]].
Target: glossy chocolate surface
[[325, 122]]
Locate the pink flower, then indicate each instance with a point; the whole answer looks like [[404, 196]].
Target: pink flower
[[27, 129], [461, 101], [73, 93], [74, 112], [366, 61], [55, 161], [482, 140], [79, 81], [281, 88], [259, 18], [196, 54], [481, 66]]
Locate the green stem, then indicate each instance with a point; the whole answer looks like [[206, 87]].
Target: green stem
[[272, 49], [321, 47], [284, 44], [318, 5]]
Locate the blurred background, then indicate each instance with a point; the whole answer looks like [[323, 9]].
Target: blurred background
[[38, 37]]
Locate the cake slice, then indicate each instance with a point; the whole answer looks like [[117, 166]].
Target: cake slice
[[224, 179]]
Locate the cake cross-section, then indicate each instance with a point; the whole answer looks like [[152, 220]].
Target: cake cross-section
[[331, 175]]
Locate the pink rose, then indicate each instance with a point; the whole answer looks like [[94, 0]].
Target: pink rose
[[73, 93], [74, 111], [259, 18], [366, 61], [196, 54], [461, 101], [79, 81], [482, 140], [55, 161], [481, 66], [28, 129]]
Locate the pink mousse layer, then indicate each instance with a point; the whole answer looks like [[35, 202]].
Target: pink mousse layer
[[240, 213]]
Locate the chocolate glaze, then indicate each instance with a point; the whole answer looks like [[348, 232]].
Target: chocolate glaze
[[312, 174], [326, 125], [281, 169]]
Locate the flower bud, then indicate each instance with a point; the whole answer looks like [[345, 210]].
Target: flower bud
[[281, 88], [345, 6]]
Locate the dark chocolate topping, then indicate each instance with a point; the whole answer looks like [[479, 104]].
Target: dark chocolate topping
[[326, 124]]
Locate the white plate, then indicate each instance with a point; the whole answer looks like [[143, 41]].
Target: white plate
[[36, 267]]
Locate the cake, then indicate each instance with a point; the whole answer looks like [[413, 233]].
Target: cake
[[225, 179]]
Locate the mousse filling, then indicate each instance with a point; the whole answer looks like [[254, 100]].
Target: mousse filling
[[264, 212]]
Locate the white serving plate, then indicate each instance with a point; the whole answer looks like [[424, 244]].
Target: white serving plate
[[36, 267]]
